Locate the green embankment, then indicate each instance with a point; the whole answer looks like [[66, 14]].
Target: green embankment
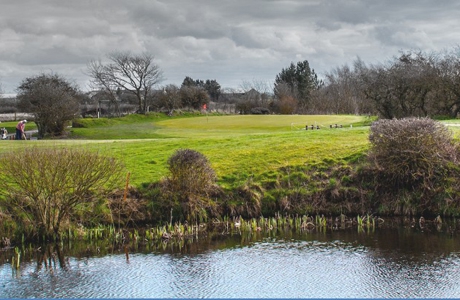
[[266, 164]]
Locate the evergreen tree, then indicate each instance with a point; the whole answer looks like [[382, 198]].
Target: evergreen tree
[[298, 80]]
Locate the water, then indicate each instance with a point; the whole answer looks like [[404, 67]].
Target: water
[[396, 263]]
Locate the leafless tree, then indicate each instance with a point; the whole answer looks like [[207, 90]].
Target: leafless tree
[[448, 66], [341, 93], [101, 82], [402, 87], [136, 74], [263, 88], [286, 101]]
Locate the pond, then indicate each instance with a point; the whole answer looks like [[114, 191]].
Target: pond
[[401, 262]]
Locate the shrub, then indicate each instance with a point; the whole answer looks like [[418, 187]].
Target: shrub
[[412, 150], [260, 111], [191, 184], [45, 188], [412, 154], [128, 207]]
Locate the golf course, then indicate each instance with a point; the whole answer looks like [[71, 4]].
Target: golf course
[[238, 146]]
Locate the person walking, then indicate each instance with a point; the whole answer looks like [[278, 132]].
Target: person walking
[[20, 134]]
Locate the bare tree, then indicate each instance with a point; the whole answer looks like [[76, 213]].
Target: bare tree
[[136, 74], [402, 87], [286, 101], [448, 66], [101, 81], [263, 88], [342, 92]]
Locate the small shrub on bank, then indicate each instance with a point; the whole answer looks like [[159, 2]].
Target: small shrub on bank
[[190, 185], [43, 189]]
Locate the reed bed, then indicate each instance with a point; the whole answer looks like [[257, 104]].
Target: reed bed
[[224, 226], [185, 238], [304, 223]]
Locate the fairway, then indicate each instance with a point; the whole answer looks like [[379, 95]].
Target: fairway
[[251, 124], [238, 147]]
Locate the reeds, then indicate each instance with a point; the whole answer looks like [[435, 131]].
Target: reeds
[[223, 226], [16, 259], [366, 222], [281, 222]]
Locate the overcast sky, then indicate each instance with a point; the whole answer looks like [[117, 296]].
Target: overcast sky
[[230, 41]]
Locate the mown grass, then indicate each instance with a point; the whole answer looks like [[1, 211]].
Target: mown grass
[[238, 147]]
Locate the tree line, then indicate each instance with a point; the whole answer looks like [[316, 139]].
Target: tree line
[[413, 83]]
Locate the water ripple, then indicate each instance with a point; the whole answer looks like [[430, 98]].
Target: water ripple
[[269, 268]]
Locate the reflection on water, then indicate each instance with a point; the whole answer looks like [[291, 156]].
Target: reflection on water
[[387, 263]]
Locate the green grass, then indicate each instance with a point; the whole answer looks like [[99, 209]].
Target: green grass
[[237, 146]]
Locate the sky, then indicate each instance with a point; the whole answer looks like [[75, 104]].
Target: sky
[[232, 41]]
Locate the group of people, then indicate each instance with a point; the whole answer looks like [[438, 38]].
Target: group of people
[[20, 133]]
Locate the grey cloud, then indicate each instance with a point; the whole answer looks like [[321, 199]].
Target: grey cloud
[[72, 28], [53, 56], [229, 40], [328, 25], [402, 36], [167, 20], [243, 37]]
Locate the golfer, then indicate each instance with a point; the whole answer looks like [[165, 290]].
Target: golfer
[[20, 130]]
